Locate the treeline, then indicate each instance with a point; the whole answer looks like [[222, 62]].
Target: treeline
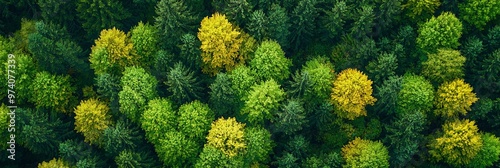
[[252, 83]]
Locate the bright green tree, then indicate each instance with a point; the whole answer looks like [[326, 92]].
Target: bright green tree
[[263, 102], [479, 12], [242, 79], [365, 153], [213, 157], [174, 19], [183, 85], [228, 136], [417, 94], [91, 119], [489, 153], [52, 91], [112, 52], [25, 73], [59, 163], [458, 144], [321, 75], [4, 122], [138, 88], [421, 10], [445, 65], [220, 43], [158, 119], [97, 15], [351, 92], [259, 145], [440, 32], [454, 98], [269, 62], [145, 41], [194, 120], [176, 150]]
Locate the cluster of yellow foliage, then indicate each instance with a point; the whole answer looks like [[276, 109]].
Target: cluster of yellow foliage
[[365, 153], [352, 91], [91, 119], [54, 163], [117, 48], [459, 143], [220, 44], [227, 135], [453, 98]]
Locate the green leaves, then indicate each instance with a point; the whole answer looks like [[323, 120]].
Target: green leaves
[[479, 12], [446, 65], [183, 85], [417, 94], [52, 91], [158, 119], [440, 32], [194, 120], [138, 87], [365, 153], [263, 102], [270, 62], [91, 119]]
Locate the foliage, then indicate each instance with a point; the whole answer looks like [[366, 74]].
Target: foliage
[[91, 119], [119, 137], [417, 94], [291, 118], [25, 73], [351, 92], [363, 22], [228, 136], [279, 25], [487, 75], [421, 10], [138, 87], [479, 12], [365, 153], [58, 12], [101, 14], [333, 159], [52, 91], [242, 79], [183, 85], [145, 43], [212, 157], [176, 150], [59, 163], [112, 52], [382, 68], [263, 101], [445, 65], [237, 12], [259, 144], [287, 160], [454, 98], [440, 32], [387, 95], [158, 119], [222, 95], [220, 42], [194, 120], [108, 86], [489, 152], [269, 62], [303, 18], [174, 19], [4, 122], [321, 74], [190, 51], [258, 24], [459, 143]]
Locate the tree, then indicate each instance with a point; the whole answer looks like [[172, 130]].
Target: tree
[[4, 122], [145, 43], [364, 22], [365, 153], [263, 101], [120, 137], [237, 11], [445, 65], [333, 159], [194, 120], [131, 159], [382, 68], [112, 52], [213, 157], [59, 12], [190, 51], [158, 119], [59, 163], [489, 152], [242, 79], [488, 78], [174, 19], [222, 96], [52, 91], [321, 74], [291, 117], [454, 98], [440, 32], [108, 86], [351, 92], [220, 43], [269, 62], [54, 50], [303, 18], [25, 73], [387, 95], [335, 19], [227, 135], [279, 25], [458, 144], [479, 13], [101, 14], [176, 150], [416, 94], [138, 87], [183, 85], [421, 10], [259, 145], [258, 25], [91, 119]]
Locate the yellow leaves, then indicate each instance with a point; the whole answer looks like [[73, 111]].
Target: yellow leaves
[[220, 43], [351, 92], [227, 135], [118, 48], [54, 163], [91, 119], [454, 98]]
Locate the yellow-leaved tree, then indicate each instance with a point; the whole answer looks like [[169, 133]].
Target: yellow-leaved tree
[[227, 135], [54, 163], [454, 98], [459, 143], [352, 91], [220, 44], [91, 119], [112, 52]]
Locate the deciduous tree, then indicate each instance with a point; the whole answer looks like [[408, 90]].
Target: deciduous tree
[[227, 135], [445, 65], [454, 98], [263, 102], [91, 119], [194, 120], [269, 62], [479, 12], [112, 52], [138, 88], [158, 119], [365, 153], [176, 150], [52, 91], [59, 163], [440, 32], [489, 152], [259, 145], [144, 38], [417, 94], [351, 92], [421, 10]]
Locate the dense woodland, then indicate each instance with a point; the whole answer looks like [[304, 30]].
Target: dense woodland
[[252, 83]]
